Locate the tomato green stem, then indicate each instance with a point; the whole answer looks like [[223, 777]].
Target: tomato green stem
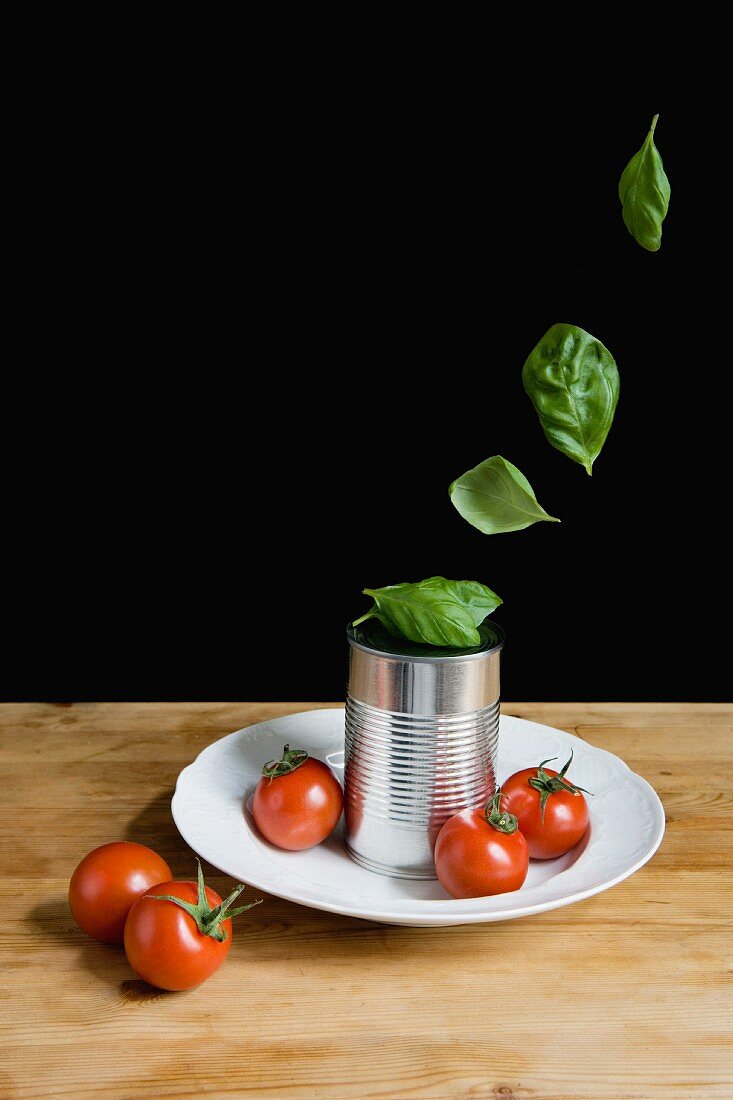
[[289, 761], [499, 819], [208, 920], [551, 784]]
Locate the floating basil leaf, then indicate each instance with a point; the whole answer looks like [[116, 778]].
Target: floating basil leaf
[[573, 383], [496, 497], [644, 192], [435, 611]]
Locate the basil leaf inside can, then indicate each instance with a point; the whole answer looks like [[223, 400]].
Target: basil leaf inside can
[[435, 611]]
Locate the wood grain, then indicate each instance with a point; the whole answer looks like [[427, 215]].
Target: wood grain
[[625, 995]]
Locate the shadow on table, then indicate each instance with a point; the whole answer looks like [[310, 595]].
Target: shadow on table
[[153, 825], [53, 920], [105, 961], [281, 929]]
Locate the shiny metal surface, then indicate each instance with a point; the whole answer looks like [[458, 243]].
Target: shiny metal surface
[[421, 743]]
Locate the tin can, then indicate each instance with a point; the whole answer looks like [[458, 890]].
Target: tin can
[[422, 732]]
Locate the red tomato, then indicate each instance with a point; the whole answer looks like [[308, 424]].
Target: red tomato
[[297, 802], [163, 944], [481, 852], [552, 812], [107, 883]]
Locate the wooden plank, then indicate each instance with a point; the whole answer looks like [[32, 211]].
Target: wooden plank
[[626, 995]]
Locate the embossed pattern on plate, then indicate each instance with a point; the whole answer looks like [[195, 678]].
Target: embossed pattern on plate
[[209, 808]]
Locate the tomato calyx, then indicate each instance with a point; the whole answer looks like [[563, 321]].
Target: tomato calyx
[[551, 784], [499, 819], [208, 920], [288, 762]]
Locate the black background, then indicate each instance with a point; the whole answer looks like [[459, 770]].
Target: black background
[[264, 333]]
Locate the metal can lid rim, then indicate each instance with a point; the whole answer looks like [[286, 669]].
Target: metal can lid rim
[[459, 655]]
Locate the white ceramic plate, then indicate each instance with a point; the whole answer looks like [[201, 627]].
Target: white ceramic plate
[[211, 808]]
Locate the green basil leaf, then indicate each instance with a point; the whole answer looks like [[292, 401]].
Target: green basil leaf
[[435, 611], [572, 381], [496, 497], [644, 192], [479, 599]]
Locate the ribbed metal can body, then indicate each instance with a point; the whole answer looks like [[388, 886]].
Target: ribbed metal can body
[[422, 730]]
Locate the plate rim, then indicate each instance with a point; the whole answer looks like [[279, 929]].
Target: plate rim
[[452, 905]]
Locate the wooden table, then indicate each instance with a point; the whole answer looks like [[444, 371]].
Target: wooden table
[[623, 995]]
